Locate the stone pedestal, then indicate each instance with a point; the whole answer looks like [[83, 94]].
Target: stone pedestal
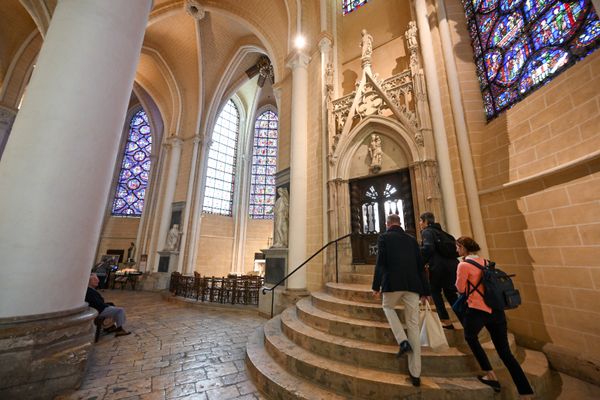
[[276, 268], [276, 260], [42, 355], [167, 263]]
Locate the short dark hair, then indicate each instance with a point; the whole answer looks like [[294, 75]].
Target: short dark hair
[[427, 217], [393, 219], [468, 243]]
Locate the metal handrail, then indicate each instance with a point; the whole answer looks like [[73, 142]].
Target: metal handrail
[[271, 289]]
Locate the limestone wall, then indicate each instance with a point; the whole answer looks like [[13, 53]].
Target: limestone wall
[[118, 233], [541, 216]]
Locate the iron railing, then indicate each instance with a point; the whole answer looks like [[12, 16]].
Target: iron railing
[[272, 288]]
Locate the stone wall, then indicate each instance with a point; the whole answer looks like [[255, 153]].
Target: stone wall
[[537, 168]]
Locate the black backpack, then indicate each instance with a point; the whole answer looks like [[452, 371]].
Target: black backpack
[[445, 244], [500, 292]]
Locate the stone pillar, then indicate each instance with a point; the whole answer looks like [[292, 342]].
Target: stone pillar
[[437, 119], [173, 144], [326, 91], [298, 62], [187, 268], [55, 176], [462, 136]]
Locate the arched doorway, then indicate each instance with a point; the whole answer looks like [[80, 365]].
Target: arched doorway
[[372, 199]]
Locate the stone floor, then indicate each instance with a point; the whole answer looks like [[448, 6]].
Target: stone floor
[[174, 352], [179, 352]]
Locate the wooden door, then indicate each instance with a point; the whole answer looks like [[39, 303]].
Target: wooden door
[[371, 200]]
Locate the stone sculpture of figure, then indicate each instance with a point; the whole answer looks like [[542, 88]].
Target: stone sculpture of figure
[[329, 79], [131, 252], [375, 153], [282, 205], [366, 44], [173, 238], [411, 35]]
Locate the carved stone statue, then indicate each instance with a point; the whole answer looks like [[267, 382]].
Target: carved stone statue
[[375, 153], [172, 243], [411, 35], [131, 252], [329, 80], [281, 210], [366, 44]]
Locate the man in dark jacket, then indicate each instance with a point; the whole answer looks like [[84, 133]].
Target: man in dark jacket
[[107, 310], [442, 268], [400, 275]]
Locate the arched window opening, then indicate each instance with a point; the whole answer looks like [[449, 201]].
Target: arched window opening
[[520, 45], [264, 164], [135, 168], [220, 171], [350, 5]]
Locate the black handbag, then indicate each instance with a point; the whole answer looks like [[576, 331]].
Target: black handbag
[[460, 306]]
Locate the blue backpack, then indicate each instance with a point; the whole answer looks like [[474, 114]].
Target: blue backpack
[[500, 292]]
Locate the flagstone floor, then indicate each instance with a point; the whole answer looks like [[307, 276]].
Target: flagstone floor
[[174, 352], [179, 352]]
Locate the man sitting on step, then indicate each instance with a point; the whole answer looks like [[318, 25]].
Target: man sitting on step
[[400, 276], [105, 310]]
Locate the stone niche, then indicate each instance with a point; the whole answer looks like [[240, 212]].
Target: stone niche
[[44, 355], [393, 156]]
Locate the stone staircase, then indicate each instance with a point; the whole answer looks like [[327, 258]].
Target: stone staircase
[[337, 344]]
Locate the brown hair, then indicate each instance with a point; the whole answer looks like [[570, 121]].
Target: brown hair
[[468, 243]]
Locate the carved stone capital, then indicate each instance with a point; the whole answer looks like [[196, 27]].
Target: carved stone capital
[[297, 59], [325, 43], [174, 142]]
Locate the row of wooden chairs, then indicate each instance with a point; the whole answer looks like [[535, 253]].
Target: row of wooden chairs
[[233, 289]]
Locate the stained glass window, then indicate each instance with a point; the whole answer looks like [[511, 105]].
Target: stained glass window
[[350, 5], [264, 163], [220, 171], [133, 178], [520, 45]]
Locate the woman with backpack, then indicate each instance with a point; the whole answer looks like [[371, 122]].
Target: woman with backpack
[[478, 315]]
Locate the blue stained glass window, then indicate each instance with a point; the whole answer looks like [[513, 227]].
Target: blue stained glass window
[[520, 45], [350, 5], [220, 171], [135, 168], [264, 163]]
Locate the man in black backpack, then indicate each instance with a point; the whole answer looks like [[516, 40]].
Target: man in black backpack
[[439, 252]]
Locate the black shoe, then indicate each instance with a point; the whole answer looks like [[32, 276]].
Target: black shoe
[[493, 384], [416, 381], [404, 348]]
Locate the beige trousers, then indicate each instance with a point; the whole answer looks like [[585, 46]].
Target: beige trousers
[[411, 319]]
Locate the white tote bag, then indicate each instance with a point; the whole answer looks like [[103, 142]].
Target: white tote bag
[[432, 332]]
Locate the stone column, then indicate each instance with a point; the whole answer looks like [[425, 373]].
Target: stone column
[[185, 267], [462, 136], [437, 119], [326, 91], [173, 144], [55, 176], [298, 62]]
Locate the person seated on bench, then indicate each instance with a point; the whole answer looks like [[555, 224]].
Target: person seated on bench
[[105, 310]]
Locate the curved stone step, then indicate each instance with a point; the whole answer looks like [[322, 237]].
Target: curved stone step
[[364, 383], [451, 362], [274, 381], [365, 330], [352, 291], [363, 269], [363, 279], [352, 309]]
